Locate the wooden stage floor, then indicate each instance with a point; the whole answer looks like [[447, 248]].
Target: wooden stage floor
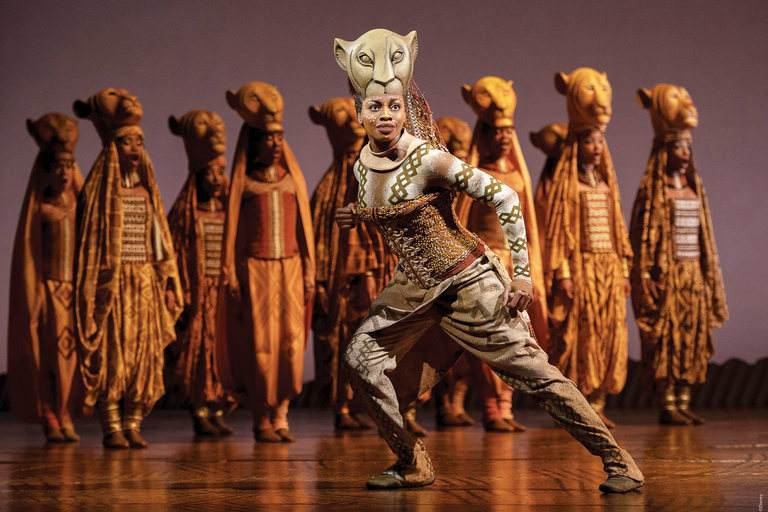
[[722, 465]]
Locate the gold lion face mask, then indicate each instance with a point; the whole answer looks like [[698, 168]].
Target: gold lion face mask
[[671, 107], [493, 100], [588, 97], [260, 105], [378, 62], [203, 133]]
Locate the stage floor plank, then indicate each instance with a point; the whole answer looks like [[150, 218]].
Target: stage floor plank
[[722, 465]]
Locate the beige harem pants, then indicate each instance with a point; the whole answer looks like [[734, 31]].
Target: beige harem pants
[[412, 336]]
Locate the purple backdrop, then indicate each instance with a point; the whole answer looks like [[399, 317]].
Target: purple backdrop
[[178, 56]]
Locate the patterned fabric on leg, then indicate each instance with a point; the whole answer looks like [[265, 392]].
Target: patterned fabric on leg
[[474, 319], [369, 360]]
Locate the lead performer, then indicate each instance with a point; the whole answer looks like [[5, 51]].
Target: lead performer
[[449, 292]]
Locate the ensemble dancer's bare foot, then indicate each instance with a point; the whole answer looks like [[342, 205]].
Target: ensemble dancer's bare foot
[[417, 429], [204, 427], [674, 418], [466, 420], [345, 421], [694, 418], [363, 421], [608, 422], [221, 425], [69, 434], [285, 435], [53, 434], [449, 419], [498, 425], [517, 427], [134, 439], [268, 435], [115, 441]]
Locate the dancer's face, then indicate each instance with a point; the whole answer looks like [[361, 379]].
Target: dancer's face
[[61, 172], [383, 117], [678, 155], [129, 150], [212, 180], [501, 141], [591, 148], [270, 148]]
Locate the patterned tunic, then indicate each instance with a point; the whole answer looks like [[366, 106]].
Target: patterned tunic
[[430, 242]]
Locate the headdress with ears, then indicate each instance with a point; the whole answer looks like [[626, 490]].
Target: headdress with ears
[[581, 118], [341, 124], [378, 62], [108, 122], [259, 104], [669, 125], [54, 132], [381, 62], [494, 102], [455, 132], [199, 151], [482, 105], [550, 139]]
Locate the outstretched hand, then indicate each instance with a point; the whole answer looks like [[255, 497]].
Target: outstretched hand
[[346, 217]]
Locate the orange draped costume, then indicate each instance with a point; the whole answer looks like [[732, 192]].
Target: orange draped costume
[[123, 322], [588, 334], [266, 333], [676, 331], [43, 375], [194, 352], [550, 139]]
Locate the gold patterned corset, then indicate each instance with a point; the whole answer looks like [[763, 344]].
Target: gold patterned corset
[[686, 218], [58, 225], [137, 230], [596, 233], [270, 213], [426, 236], [211, 236]]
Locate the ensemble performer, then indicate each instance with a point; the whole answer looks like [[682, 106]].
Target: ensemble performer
[[588, 246], [450, 293], [496, 151], [268, 266], [44, 382], [352, 265], [127, 290], [677, 286], [196, 221]]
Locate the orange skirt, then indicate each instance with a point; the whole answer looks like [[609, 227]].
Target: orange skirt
[[275, 361]]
